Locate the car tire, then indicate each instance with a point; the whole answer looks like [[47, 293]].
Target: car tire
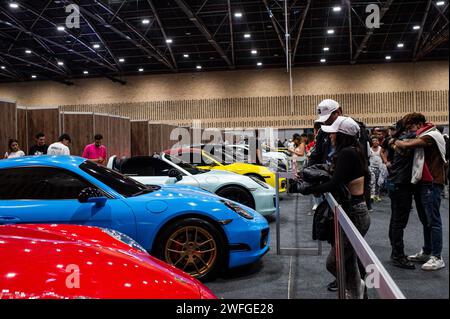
[[184, 251], [237, 194]]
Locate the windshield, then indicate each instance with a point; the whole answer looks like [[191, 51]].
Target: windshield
[[219, 156], [186, 166], [122, 184]]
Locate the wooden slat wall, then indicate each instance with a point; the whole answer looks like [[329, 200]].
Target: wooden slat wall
[[120, 136], [154, 133], [101, 126], [80, 127], [22, 132], [375, 109], [8, 125], [45, 121], [140, 138]]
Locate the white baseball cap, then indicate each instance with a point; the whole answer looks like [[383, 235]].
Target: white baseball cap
[[325, 108], [343, 124]]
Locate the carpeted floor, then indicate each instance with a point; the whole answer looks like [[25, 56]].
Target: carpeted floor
[[305, 277]]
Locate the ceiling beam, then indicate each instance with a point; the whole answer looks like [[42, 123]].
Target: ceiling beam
[[155, 13], [32, 63], [419, 36], [155, 53], [300, 28], [441, 37], [230, 21], [70, 33], [31, 28], [99, 36], [9, 68], [203, 29], [275, 26], [369, 33], [37, 36]]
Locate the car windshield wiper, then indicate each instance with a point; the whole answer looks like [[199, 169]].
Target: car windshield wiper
[[149, 189]]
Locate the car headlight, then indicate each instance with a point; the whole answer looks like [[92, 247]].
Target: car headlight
[[260, 182], [237, 209], [124, 239]]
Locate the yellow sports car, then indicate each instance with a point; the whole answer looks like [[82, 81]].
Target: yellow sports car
[[204, 160]]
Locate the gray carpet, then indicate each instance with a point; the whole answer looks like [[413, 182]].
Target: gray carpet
[[305, 277]]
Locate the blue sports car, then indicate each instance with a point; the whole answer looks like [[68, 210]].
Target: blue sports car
[[192, 229]]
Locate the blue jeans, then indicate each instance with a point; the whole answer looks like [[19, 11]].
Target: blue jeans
[[430, 216]]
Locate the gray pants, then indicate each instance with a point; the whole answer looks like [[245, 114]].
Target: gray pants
[[360, 217]]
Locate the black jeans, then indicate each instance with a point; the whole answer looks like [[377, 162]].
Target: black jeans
[[360, 217], [401, 202]]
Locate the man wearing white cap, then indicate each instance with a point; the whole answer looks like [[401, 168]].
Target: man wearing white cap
[[328, 111], [351, 171]]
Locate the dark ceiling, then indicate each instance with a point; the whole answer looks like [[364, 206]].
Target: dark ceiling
[[211, 34]]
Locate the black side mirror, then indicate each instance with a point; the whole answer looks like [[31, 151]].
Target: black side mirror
[[175, 173], [92, 195]]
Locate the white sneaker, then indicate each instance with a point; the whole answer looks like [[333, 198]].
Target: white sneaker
[[433, 263], [419, 257]]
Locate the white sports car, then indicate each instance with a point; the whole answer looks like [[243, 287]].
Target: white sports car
[[164, 169], [271, 159]]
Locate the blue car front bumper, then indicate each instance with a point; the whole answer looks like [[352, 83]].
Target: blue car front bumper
[[248, 240]]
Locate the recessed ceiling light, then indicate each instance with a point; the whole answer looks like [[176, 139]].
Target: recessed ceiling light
[[388, 57], [416, 27], [60, 63], [33, 76], [198, 67], [85, 72], [60, 28], [323, 60], [121, 60], [254, 52], [238, 14], [188, 33], [169, 41], [259, 64], [400, 45], [185, 55], [440, 3], [336, 9], [96, 46], [3, 67], [247, 35], [330, 31], [141, 70], [145, 21], [326, 49], [28, 51], [13, 5]]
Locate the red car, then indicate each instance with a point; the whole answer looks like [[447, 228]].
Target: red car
[[65, 261]]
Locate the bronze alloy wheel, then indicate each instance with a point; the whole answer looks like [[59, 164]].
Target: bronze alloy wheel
[[192, 249]]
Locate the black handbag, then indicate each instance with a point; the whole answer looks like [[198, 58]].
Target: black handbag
[[323, 223]]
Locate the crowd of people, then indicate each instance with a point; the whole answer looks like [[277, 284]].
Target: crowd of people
[[95, 151], [407, 161]]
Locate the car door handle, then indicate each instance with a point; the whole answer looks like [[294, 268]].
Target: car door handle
[[9, 219]]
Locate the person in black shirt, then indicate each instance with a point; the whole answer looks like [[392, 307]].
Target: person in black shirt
[[401, 193], [351, 172], [40, 148], [387, 153]]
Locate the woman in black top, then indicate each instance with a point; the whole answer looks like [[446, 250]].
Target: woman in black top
[[350, 170]]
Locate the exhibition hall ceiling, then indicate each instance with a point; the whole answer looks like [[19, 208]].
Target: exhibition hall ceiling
[[62, 40]]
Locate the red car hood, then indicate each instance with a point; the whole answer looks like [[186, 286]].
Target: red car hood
[[65, 261]]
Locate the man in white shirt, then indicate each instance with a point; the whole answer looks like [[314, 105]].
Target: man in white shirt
[[61, 147]]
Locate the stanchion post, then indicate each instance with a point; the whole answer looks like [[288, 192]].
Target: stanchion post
[[340, 270], [277, 209]]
